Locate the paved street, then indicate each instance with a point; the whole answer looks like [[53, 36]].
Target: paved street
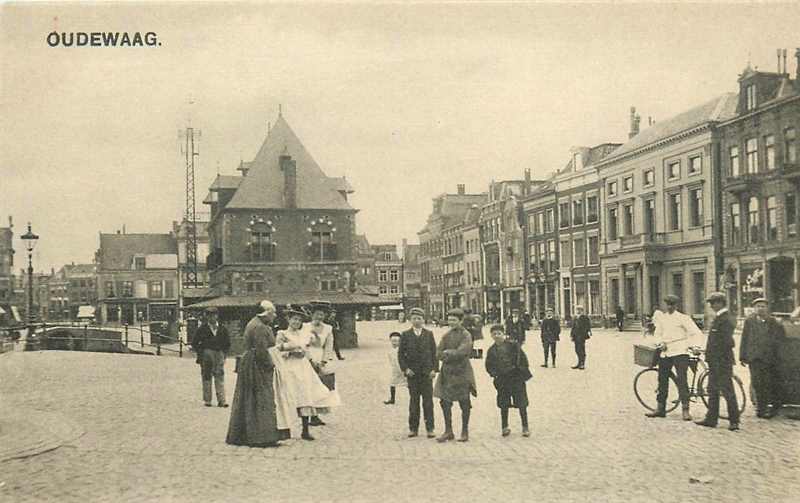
[[146, 436]]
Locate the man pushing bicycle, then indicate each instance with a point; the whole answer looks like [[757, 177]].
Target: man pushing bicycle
[[675, 332]]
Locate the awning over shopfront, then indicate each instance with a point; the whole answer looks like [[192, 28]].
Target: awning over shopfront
[[395, 307], [300, 298]]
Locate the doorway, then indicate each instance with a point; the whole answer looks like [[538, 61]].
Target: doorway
[[781, 284]]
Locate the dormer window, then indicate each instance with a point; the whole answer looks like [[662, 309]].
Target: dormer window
[[750, 93], [577, 161]]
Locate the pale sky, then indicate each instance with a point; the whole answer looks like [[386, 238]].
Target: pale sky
[[405, 100]]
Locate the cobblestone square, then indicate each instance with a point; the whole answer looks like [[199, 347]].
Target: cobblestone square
[[134, 429]]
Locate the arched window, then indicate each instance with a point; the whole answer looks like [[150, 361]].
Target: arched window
[[261, 246], [323, 243]]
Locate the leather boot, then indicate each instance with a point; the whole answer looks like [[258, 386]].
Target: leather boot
[[447, 412], [661, 411], [464, 425], [686, 415]]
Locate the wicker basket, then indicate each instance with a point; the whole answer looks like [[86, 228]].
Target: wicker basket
[[645, 356]]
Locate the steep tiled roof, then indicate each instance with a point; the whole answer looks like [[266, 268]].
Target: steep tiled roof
[[222, 182], [117, 250], [718, 109], [362, 245], [263, 186]]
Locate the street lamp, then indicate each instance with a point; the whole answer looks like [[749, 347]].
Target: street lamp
[[30, 239]]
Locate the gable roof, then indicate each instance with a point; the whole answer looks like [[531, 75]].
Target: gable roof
[[263, 187], [222, 182], [718, 109], [117, 250]]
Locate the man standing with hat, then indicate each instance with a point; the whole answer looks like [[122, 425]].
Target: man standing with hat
[[515, 328], [417, 359], [759, 350], [675, 333], [719, 357], [212, 343], [580, 332]]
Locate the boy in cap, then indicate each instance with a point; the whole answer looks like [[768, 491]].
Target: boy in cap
[[417, 359], [719, 357], [507, 364], [212, 343], [551, 329], [759, 350]]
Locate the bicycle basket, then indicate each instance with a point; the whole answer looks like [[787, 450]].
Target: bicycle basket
[[645, 356]]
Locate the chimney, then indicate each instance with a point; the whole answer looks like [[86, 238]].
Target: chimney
[[779, 61], [634, 118], [289, 168], [527, 188], [797, 69], [462, 189]]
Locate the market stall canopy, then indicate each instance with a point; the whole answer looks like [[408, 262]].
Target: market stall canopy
[[282, 299], [395, 307]]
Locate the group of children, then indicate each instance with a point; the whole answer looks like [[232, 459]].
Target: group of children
[[507, 364]]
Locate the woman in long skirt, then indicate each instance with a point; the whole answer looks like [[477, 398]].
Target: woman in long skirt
[[306, 392], [254, 419]]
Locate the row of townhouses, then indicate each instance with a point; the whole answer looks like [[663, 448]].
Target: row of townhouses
[[705, 200]]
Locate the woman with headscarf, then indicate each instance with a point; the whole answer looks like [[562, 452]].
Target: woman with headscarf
[[255, 421]]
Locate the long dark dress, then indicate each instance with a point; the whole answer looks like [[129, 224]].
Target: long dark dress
[[253, 418]]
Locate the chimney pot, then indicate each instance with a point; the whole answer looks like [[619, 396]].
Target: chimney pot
[[461, 189], [289, 168]]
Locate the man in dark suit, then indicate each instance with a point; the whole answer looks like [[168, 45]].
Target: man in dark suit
[[515, 328], [581, 330], [212, 343], [759, 350], [417, 358], [620, 318], [551, 328], [719, 357]]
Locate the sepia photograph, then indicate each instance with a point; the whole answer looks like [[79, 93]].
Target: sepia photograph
[[446, 251]]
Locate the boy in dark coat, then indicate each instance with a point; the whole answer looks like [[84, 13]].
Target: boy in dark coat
[[581, 330], [417, 359], [515, 327], [551, 329], [507, 363]]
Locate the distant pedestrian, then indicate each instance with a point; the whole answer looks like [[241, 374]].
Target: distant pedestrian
[[720, 360], [760, 343], [255, 419], [475, 328], [456, 381], [620, 318], [417, 359], [581, 331], [675, 332], [396, 377], [551, 330], [212, 343], [526, 318], [507, 364], [515, 327], [333, 321]]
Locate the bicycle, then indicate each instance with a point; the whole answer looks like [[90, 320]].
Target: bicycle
[[645, 384]]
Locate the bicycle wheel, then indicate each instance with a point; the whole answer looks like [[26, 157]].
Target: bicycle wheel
[[645, 387], [738, 389]]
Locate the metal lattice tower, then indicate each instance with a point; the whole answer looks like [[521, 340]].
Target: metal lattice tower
[[190, 142]]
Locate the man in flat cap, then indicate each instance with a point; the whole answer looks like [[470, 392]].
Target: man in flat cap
[[675, 333], [417, 359], [759, 350], [580, 332], [212, 343], [719, 357]]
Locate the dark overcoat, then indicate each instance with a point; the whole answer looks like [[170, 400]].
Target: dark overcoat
[[551, 328], [456, 380], [719, 349], [760, 340], [417, 353]]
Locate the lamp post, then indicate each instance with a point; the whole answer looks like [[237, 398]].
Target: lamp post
[[30, 239]]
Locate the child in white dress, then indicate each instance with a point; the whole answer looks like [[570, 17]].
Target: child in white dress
[[396, 377]]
